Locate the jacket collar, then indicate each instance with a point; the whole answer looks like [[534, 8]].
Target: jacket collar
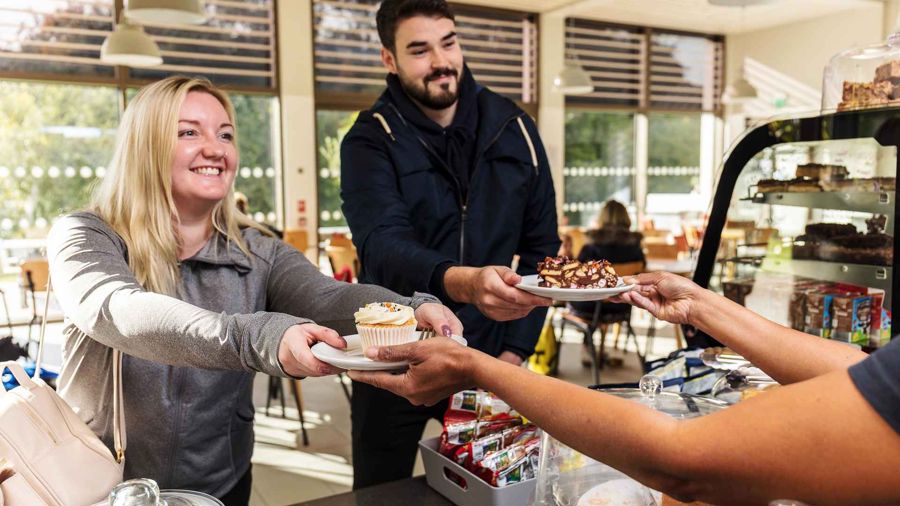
[[218, 250]]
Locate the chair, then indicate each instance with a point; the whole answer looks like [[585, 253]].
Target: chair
[[276, 391], [343, 257], [573, 239], [601, 321], [656, 249], [297, 238], [340, 240], [34, 274]]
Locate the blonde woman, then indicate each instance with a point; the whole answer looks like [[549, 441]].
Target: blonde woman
[[197, 296]]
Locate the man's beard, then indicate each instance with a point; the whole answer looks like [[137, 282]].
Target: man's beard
[[423, 94]]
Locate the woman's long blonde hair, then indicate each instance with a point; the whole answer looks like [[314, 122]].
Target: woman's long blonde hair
[[135, 196]]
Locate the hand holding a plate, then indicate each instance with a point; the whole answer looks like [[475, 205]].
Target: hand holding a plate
[[438, 368], [294, 353], [666, 296], [492, 289]]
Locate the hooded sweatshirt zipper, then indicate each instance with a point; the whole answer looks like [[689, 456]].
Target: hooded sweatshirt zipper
[[463, 203]]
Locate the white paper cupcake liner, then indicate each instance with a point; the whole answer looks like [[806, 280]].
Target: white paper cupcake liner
[[385, 336]]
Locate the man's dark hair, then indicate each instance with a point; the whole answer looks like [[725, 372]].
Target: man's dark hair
[[393, 12]]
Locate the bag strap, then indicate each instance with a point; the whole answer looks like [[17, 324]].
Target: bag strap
[[119, 439]]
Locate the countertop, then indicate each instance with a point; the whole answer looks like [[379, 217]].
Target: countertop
[[412, 491]]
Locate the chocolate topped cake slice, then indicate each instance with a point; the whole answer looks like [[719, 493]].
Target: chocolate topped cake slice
[[564, 272]]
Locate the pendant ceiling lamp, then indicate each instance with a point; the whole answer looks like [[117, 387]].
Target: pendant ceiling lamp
[[167, 12], [573, 79], [129, 45]]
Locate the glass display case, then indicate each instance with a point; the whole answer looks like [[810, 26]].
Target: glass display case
[[802, 227]]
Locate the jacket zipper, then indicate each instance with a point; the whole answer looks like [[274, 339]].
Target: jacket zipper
[[463, 203], [43, 489]]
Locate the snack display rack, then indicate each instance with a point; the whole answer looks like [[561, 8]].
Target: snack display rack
[[761, 190]]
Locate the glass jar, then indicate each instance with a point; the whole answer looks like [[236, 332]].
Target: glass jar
[[863, 77], [569, 478], [145, 492]]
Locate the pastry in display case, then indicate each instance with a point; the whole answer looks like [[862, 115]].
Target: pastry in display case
[[863, 77], [824, 187]]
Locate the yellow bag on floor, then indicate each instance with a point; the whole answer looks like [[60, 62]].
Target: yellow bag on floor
[[545, 359]]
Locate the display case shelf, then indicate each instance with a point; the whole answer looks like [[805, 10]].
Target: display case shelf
[[865, 142], [864, 202], [874, 276]]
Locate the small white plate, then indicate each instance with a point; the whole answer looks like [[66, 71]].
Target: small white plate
[[530, 284], [352, 358]]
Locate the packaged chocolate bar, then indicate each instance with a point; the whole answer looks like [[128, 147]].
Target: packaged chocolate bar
[[852, 318], [818, 314], [509, 465]]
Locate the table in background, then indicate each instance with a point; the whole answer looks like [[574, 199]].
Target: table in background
[[412, 491]]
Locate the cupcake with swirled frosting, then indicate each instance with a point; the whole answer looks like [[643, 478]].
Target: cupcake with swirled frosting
[[385, 324]]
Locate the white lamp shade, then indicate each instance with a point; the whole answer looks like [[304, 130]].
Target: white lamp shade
[[573, 80], [171, 12], [129, 45], [739, 91]]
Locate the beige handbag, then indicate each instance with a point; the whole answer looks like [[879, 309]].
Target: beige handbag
[[56, 458]]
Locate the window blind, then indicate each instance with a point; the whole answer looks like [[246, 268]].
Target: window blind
[[500, 48], [637, 67]]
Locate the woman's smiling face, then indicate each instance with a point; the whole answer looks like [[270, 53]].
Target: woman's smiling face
[[205, 160]]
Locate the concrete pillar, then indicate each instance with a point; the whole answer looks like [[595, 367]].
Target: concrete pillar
[[551, 103], [298, 118]]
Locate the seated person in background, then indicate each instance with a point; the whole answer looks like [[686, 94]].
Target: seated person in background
[[197, 297], [839, 409], [612, 240]]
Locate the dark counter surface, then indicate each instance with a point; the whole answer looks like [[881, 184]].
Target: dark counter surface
[[413, 491]]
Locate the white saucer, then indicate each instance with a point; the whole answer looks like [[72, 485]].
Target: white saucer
[[352, 358], [530, 284]]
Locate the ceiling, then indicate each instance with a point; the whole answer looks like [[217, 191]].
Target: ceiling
[[688, 15]]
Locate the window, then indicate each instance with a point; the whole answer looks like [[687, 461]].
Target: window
[[51, 153], [51, 150], [646, 67], [674, 153], [599, 162], [331, 126], [61, 40], [256, 144], [500, 49]]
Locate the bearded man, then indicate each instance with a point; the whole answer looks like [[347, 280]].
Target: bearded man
[[443, 183]]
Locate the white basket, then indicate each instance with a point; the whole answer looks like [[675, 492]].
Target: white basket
[[475, 492]]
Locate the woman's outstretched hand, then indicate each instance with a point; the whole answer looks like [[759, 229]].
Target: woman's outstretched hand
[[666, 296], [440, 318], [438, 368], [295, 355]]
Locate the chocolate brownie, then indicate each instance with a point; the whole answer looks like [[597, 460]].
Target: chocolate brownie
[[822, 171], [868, 249], [564, 272], [828, 230], [888, 72]]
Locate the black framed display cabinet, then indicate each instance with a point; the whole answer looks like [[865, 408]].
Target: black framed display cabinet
[[802, 226]]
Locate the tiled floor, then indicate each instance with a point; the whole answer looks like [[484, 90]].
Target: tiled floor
[[285, 472]]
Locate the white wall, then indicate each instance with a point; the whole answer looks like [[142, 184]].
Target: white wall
[[801, 50]]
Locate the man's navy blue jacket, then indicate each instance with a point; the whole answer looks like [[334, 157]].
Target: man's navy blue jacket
[[410, 222]]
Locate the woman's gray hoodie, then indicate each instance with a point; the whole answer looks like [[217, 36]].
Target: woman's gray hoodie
[[189, 361]]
